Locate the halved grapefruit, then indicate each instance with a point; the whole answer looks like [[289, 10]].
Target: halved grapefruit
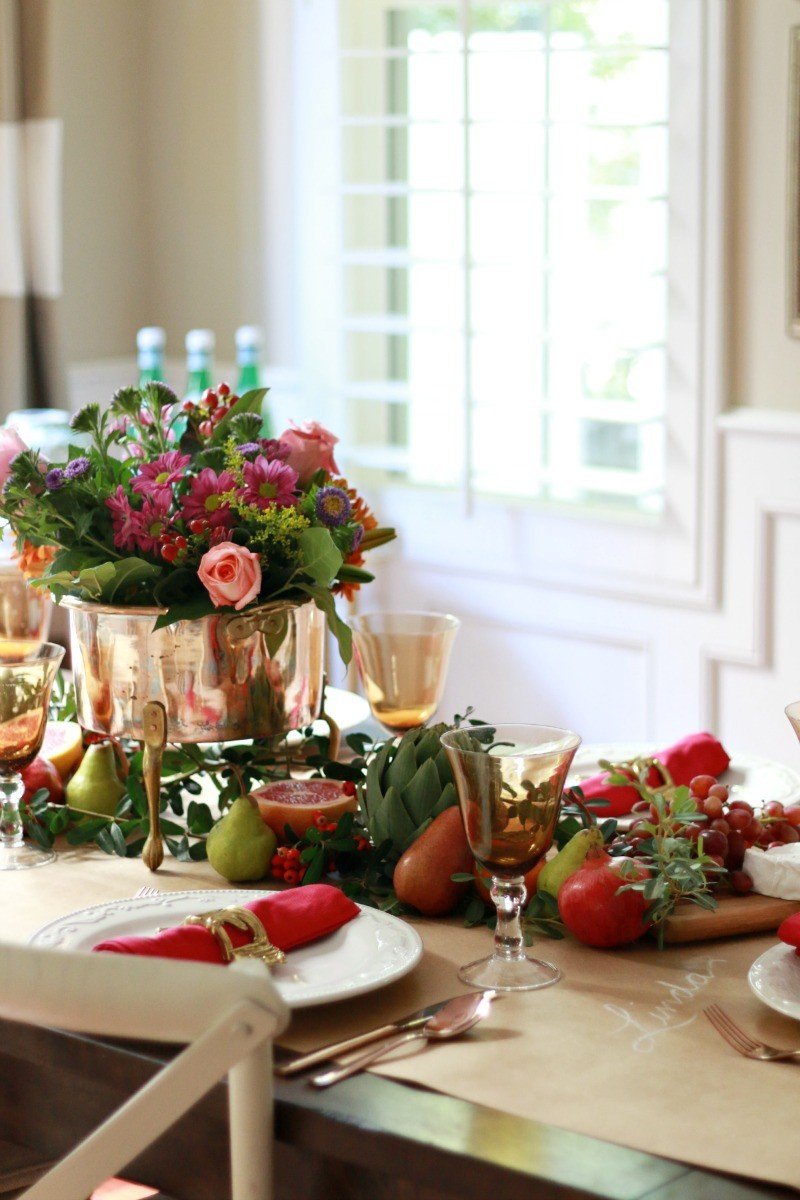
[[63, 745], [293, 802]]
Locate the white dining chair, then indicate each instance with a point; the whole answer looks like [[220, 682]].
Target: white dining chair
[[228, 1016]]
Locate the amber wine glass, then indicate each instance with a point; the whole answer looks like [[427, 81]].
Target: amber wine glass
[[25, 687], [25, 613], [403, 658], [509, 780]]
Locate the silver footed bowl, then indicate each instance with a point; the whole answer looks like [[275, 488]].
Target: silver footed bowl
[[222, 677]]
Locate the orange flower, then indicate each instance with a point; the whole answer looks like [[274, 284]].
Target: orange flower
[[32, 560], [360, 511]]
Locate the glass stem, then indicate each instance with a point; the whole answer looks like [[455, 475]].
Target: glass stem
[[509, 896], [12, 789]]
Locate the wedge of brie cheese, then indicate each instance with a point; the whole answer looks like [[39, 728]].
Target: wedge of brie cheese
[[775, 872]]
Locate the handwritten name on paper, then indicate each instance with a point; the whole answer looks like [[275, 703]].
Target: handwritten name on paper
[[671, 1013]]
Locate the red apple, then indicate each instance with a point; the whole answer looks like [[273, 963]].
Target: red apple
[[42, 774], [594, 909]]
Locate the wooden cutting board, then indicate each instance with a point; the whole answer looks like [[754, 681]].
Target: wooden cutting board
[[733, 915]]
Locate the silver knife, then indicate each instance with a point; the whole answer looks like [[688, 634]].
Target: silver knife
[[413, 1021]]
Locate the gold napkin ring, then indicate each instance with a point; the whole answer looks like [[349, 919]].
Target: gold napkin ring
[[240, 918]]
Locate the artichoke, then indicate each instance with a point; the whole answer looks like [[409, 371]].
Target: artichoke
[[408, 784]]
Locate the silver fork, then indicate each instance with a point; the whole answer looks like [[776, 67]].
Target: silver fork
[[742, 1042]]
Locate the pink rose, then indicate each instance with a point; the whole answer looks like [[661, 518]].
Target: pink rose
[[310, 449], [11, 444], [231, 574]]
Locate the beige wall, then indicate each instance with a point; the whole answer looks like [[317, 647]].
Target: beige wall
[[98, 55], [765, 360], [161, 103]]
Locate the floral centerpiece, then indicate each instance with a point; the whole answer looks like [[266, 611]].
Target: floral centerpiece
[[186, 507]]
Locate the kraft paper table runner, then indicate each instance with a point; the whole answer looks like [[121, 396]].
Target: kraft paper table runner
[[619, 1050]]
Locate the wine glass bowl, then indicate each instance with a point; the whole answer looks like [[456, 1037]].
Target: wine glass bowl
[[25, 687], [509, 779], [402, 658], [25, 614], [793, 713]]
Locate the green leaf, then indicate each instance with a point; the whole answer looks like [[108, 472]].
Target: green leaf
[[475, 911], [199, 818], [324, 600], [319, 557], [315, 870], [189, 610], [250, 402], [93, 581], [129, 574]]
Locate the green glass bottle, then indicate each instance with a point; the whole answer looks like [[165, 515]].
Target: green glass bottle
[[200, 344], [150, 343], [249, 346]]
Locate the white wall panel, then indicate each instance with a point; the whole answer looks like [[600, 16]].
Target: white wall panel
[[627, 666]]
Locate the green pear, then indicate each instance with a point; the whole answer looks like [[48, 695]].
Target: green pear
[[568, 860], [96, 787], [240, 846]]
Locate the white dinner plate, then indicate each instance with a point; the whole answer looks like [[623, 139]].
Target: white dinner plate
[[775, 979], [367, 953], [749, 777]]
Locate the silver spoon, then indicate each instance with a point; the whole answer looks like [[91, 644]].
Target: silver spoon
[[456, 1017]]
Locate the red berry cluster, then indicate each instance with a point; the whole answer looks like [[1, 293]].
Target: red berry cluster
[[730, 828], [214, 404], [286, 865], [173, 546]]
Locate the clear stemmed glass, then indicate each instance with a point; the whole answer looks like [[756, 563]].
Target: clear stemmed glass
[[793, 713], [25, 614], [24, 696], [509, 780], [403, 657]]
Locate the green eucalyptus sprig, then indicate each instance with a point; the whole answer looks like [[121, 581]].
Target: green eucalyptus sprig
[[680, 869]]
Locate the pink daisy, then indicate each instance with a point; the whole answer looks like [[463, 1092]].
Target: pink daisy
[[268, 483], [161, 472], [205, 498], [123, 518], [153, 520]]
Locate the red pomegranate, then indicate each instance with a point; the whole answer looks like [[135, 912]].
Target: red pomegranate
[[594, 909]]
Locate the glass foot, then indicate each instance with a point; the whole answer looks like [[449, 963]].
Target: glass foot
[[20, 858], [509, 974]]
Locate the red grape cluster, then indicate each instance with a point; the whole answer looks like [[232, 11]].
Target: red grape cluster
[[730, 828], [212, 406]]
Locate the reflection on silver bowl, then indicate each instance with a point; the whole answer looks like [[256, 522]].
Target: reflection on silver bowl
[[220, 678]]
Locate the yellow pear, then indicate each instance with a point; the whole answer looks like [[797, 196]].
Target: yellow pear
[[240, 846], [96, 787]]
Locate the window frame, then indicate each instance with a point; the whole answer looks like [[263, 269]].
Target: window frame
[[565, 545]]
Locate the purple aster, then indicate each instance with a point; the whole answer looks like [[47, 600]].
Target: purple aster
[[77, 467], [54, 479], [332, 506], [269, 483], [249, 448]]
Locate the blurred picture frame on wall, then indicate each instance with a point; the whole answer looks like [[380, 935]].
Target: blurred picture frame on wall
[[793, 188]]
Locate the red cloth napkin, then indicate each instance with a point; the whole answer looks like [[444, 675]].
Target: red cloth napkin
[[789, 931], [290, 918], [698, 754]]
